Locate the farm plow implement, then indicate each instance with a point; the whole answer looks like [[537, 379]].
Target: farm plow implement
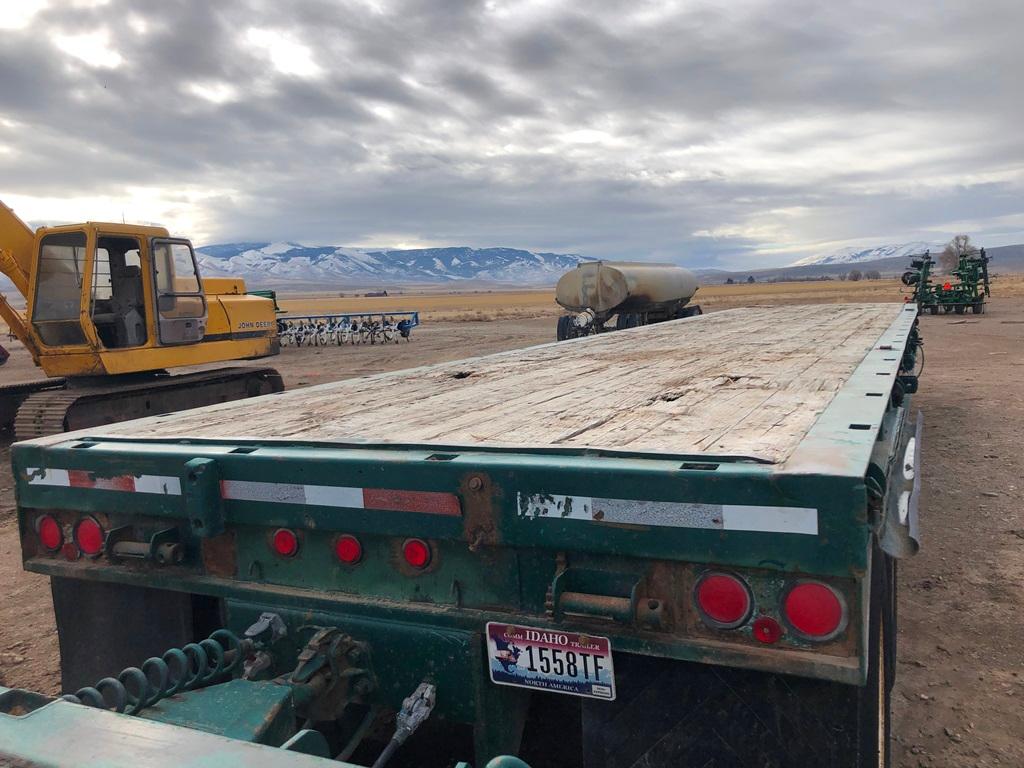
[[341, 329], [967, 286]]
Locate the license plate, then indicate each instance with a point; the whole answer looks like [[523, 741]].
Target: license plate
[[549, 660]]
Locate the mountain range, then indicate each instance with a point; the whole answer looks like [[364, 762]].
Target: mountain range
[[857, 255], [291, 263]]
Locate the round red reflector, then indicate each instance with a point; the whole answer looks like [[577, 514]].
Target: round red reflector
[[89, 536], [285, 542], [348, 549], [767, 630], [50, 534], [416, 553], [724, 600], [814, 610]]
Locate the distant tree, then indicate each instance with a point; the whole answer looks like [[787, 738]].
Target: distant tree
[[960, 245], [872, 274], [729, 281], [854, 275], [751, 279], [843, 276]]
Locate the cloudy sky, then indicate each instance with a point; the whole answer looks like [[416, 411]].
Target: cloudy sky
[[734, 134]]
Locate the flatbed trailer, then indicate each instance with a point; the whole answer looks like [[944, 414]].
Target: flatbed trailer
[[691, 526]]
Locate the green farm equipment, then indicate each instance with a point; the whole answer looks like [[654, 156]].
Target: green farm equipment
[[669, 547], [967, 288]]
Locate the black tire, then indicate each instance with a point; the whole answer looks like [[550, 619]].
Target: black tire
[[564, 329], [671, 714], [625, 320], [960, 309], [934, 309], [947, 308], [978, 307]]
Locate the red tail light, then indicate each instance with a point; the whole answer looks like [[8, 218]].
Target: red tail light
[[89, 536], [51, 536], [767, 630], [416, 553], [348, 549], [285, 542], [815, 610], [724, 600]]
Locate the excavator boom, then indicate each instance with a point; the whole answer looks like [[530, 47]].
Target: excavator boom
[[17, 242]]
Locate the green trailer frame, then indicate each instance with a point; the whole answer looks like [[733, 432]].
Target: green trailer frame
[[501, 557]]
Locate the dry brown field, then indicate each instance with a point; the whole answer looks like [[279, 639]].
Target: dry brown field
[[487, 305]]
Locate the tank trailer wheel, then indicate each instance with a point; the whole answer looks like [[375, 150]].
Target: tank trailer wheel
[[564, 330], [978, 307]]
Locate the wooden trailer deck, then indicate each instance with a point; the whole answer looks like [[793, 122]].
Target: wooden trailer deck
[[744, 382]]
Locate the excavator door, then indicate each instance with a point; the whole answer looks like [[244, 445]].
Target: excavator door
[[180, 301]]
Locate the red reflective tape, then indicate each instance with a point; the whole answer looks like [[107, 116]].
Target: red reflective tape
[[431, 502], [78, 478]]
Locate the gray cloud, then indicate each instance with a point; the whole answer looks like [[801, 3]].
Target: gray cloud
[[708, 133]]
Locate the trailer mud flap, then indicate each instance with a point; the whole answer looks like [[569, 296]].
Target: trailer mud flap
[[104, 628], [899, 536]]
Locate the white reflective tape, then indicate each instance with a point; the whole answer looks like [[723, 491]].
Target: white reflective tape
[[770, 519], [160, 484], [671, 514], [249, 490], [57, 477], [334, 496]]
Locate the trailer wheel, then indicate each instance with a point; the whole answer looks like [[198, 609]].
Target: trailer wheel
[[960, 308], [670, 714], [564, 329], [978, 307], [934, 309], [626, 320]]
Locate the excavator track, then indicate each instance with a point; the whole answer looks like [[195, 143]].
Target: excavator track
[[80, 406], [13, 395]]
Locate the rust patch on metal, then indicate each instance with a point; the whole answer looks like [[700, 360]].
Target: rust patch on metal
[[480, 500], [219, 557]]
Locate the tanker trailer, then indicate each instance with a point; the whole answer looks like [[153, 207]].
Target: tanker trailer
[[636, 293]]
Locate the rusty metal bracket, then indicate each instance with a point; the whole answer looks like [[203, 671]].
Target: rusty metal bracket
[[203, 503], [480, 510]]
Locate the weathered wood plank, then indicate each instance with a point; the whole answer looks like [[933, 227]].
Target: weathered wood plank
[[741, 382]]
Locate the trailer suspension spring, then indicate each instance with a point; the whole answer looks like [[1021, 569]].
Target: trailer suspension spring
[[179, 669]]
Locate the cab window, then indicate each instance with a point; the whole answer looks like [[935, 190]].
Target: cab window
[[179, 293], [58, 297]]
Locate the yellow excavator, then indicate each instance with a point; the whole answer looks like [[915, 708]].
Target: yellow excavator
[[112, 307]]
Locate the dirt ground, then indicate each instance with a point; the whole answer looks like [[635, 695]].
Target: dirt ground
[[960, 687]]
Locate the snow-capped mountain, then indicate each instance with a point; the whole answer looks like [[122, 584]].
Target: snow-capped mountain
[[331, 265], [854, 255]]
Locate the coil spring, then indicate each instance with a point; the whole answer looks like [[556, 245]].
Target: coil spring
[[179, 669]]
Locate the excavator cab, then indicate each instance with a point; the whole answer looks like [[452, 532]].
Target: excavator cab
[[107, 299], [106, 290], [104, 300]]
